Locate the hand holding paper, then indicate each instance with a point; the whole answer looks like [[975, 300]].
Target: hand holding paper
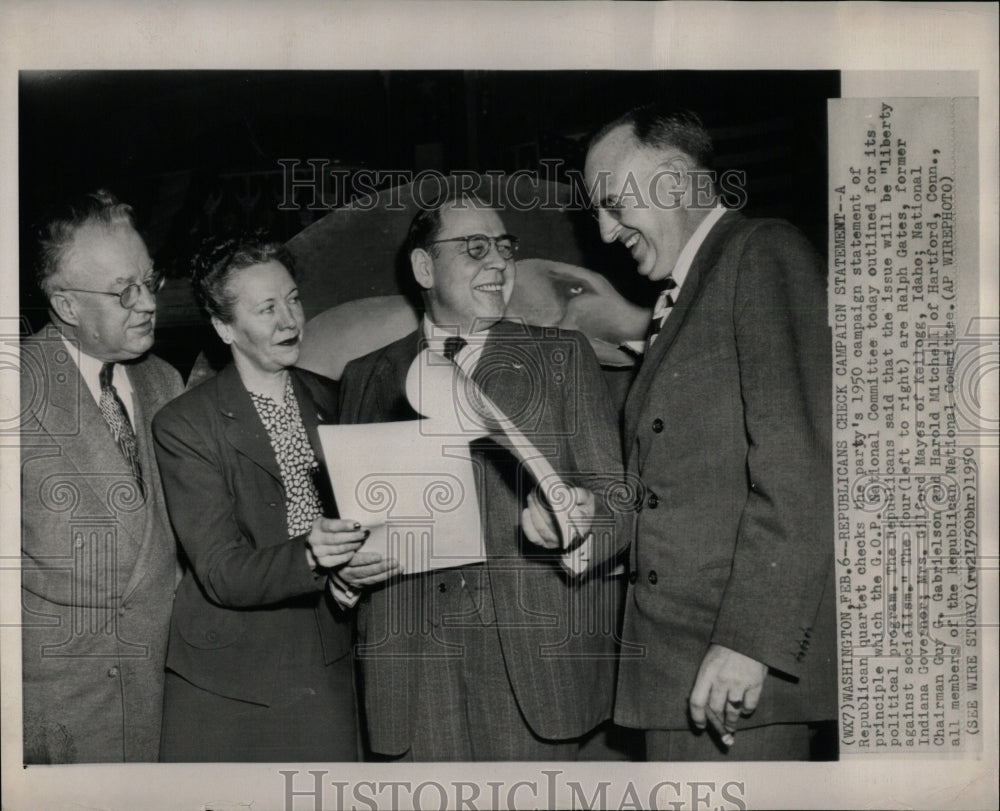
[[332, 542], [417, 494], [540, 525], [445, 394]]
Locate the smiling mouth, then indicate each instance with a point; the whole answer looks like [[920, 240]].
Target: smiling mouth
[[631, 242], [492, 287], [289, 341]]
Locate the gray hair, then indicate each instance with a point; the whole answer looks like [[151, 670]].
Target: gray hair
[[99, 207]]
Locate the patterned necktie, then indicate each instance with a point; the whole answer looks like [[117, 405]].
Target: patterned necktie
[[453, 345], [117, 418], [661, 310]]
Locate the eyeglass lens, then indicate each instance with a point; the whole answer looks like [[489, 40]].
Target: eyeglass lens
[[130, 295], [479, 246]]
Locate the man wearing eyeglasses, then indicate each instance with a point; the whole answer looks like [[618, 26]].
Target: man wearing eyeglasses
[[511, 659], [99, 562], [728, 426]]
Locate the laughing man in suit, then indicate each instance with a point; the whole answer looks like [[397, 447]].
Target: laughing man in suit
[[728, 426], [99, 559], [511, 659]]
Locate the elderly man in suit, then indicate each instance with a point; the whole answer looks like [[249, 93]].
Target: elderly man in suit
[[99, 562], [727, 424], [514, 658]]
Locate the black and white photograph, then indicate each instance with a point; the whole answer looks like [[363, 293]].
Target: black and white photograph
[[503, 428]]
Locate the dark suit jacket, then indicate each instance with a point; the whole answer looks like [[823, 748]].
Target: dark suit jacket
[[248, 592], [99, 565], [728, 424], [557, 633]]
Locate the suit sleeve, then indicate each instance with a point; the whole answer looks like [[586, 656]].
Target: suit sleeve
[[232, 572], [784, 547], [594, 446]]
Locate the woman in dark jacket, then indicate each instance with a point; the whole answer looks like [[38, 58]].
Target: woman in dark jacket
[[259, 664]]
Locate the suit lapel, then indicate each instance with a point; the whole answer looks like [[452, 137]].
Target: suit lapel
[[657, 356], [502, 389], [73, 419], [74, 422], [244, 430], [144, 405], [68, 411], [390, 379]]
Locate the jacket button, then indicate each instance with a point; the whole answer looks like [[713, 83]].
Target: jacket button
[[273, 505], [657, 425], [652, 577], [442, 587], [113, 672], [653, 501], [211, 636], [121, 611], [633, 576]]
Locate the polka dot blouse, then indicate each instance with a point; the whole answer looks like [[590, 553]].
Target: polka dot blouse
[[296, 459]]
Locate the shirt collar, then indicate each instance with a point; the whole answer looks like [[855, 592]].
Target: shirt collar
[[90, 371], [690, 250], [435, 336]]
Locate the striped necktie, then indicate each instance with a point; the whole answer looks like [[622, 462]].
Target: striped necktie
[[661, 310], [117, 418]]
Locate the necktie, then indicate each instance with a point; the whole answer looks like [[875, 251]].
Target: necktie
[[453, 345], [661, 310], [117, 418]]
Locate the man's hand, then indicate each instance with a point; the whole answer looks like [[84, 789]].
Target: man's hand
[[728, 686], [539, 522], [367, 569], [332, 542]]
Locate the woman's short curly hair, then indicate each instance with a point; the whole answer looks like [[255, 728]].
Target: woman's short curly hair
[[219, 260]]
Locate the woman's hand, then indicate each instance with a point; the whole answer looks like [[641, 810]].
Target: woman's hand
[[332, 542]]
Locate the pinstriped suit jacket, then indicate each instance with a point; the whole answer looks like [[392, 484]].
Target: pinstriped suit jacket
[[557, 634]]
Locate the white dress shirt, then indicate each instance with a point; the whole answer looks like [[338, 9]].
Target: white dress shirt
[[90, 371], [681, 268]]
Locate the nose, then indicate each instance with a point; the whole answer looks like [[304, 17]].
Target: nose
[[494, 260], [286, 318], [607, 225], [146, 303]]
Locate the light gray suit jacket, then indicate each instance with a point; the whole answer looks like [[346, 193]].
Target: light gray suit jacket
[[99, 565]]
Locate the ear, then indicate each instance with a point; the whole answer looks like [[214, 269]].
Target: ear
[[224, 330], [65, 308], [423, 267], [672, 181]]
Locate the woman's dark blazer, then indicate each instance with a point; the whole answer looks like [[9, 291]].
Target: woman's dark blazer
[[248, 592]]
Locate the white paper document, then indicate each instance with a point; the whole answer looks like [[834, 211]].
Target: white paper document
[[412, 482], [416, 493]]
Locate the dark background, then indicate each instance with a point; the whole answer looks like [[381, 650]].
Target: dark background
[[196, 152]]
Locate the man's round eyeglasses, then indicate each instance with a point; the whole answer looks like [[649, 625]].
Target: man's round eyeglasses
[[478, 245], [128, 297]]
